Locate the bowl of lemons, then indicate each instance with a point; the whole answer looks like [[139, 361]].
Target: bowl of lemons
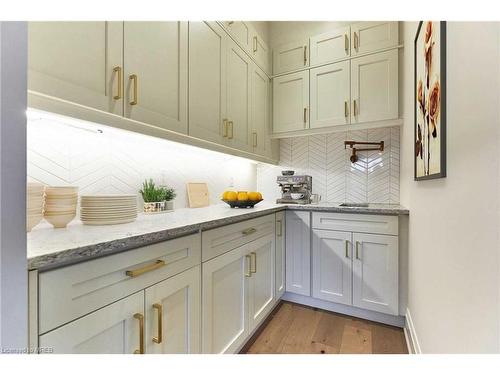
[[241, 199]]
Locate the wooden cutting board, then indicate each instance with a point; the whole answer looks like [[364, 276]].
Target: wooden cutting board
[[198, 194]]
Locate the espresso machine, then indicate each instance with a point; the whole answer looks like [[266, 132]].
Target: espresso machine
[[294, 189]]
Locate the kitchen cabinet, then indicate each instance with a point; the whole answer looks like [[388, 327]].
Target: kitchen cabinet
[[330, 95], [79, 62], [291, 56], [330, 46], [375, 272], [374, 87], [298, 252], [238, 292], [280, 254], [260, 112], [332, 266], [173, 314], [207, 81], [114, 329], [156, 73], [291, 102], [372, 36], [261, 52], [238, 96], [241, 32]]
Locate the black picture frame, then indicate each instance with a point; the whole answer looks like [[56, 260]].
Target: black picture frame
[[442, 134]]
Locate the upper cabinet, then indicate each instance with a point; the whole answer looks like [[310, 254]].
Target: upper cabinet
[[79, 62], [291, 56], [330, 46], [207, 81], [372, 36], [291, 102], [260, 114], [261, 52], [155, 73], [374, 87], [241, 32]]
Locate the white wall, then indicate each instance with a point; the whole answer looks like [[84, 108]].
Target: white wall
[[13, 264], [454, 222]]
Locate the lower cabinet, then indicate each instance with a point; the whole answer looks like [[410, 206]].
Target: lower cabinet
[[114, 329], [238, 292], [280, 285], [173, 314], [298, 252]]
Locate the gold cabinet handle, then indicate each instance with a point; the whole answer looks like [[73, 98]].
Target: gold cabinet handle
[[231, 133], [150, 267], [305, 117], [133, 78], [140, 318], [254, 134], [356, 44], [346, 44], [346, 248], [346, 109], [357, 250], [279, 227], [119, 78], [249, 270], [253, 263], [159, 338], [248, 231], [224, 128], [254, 44], [230, 23], [305, 55], [355, 107]]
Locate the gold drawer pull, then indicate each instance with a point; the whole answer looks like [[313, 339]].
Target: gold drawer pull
[[346, 43], [279, 229], [248, 231], [118, 70], [133, 78], [346, 248], [249, 269], [305, 55], [254, 139], [357, 249], [254, 44], [159, 307], [346, 110], [231, 130], [305, 116], [151, 267], [224, 128], [356, 43], [355, 110], [253, 263], [140, 318]]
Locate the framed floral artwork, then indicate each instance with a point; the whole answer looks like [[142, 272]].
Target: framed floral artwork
[[430, 100]]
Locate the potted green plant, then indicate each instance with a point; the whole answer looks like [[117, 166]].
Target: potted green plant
[[157, 198]]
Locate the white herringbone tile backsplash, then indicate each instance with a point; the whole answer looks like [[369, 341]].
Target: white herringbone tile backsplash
[[373, 178], [64, 151]]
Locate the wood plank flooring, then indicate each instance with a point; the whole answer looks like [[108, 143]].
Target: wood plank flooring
[[294, 329]]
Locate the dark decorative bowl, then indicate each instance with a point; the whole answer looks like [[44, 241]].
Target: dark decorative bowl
[[242, 204]]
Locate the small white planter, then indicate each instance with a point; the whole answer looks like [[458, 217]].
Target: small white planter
[[158, 207]]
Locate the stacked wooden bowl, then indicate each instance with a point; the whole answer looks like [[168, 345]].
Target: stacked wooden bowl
[[34, 204], [60, 205]]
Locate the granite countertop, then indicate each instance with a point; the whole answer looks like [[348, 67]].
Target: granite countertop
[[50, 248]]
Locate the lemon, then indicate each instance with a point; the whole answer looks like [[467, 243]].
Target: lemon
[[259, 196], [242, 196], [253, 196], [231, 196], [226, 195]]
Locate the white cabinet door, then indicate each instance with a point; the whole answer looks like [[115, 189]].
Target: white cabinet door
[[207, 80], [332, 266], [76, 61], [375, 272], [298, 252], [261, 52], [157, 54], [261, 283], [114, 329], [224, 301], [238, 94], [374, 87], [280, 254], [330, 46], [372, 36], [290, 56], [330, 95], [173, 314], [241, 32], [260, 112], [291, 102]]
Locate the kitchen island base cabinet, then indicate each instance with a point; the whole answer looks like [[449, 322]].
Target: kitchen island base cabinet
[[173, 314], [114, 329], [298, 252]]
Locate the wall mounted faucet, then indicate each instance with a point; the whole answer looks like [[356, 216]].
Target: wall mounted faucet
[[354, 156]]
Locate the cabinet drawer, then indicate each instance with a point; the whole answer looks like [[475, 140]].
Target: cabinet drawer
[[70, 292], [220, 240], [378, 224]]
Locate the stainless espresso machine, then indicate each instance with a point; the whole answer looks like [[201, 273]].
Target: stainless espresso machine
[[295, 189]]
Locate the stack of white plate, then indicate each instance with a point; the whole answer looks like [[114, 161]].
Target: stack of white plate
[[60, 205], [108, 209], [34, 204]]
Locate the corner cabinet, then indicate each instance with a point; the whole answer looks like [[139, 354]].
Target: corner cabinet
[[291, 56], [298, 252], [291, 102], [261, 112], [280, 282]]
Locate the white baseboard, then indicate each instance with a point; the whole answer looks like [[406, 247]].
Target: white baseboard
[[411, 335]]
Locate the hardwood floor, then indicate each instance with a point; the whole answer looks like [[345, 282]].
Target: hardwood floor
[[295, 329]]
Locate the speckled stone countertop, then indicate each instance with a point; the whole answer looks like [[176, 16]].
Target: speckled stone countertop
[[50, 248]]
